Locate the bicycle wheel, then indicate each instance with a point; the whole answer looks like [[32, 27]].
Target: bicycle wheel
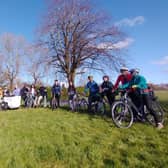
[[101, 109], [122, 115], [150, 118], [83, 105], [159, 111], [4, 106], [29, 102], [53, 104]]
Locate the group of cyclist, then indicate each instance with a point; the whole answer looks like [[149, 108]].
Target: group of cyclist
[[33, 97], [131, 80]]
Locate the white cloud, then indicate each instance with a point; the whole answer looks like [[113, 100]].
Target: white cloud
[[131, 21], [119, 45], [124, 44], [163, 61]]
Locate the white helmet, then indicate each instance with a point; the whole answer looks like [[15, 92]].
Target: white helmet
[[123, 69], [137, 70]]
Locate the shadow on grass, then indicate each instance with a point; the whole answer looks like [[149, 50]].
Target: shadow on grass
[[109, 163]]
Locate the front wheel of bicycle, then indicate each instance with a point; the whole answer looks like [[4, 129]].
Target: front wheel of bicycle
[[122, 115]]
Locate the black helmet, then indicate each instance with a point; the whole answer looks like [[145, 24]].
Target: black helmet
[[106, 76]]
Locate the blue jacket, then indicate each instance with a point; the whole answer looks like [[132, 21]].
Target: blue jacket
[[92, 87], [56, 89], [137, 80]]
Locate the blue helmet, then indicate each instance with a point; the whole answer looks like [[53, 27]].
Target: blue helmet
[[134, 70]]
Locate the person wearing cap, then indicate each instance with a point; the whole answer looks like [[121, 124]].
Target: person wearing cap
[[140, 95], [93, 89], [123, 78], [56, 92], [106, 88]]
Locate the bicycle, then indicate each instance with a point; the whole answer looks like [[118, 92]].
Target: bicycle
[[29, 101], [53, 103], [158, 109], [98, 105], [122, 112], [80, 103]]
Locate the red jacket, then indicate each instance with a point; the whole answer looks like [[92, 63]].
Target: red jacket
[[123, 79]]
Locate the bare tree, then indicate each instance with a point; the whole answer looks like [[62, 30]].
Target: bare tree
[[37, 67], [12, 53], [2, 77], [79, 38]]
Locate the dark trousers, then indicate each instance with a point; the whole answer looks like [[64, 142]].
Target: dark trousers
[[91, 99], [57, 97], [24, 99], [136, 98], [143, 99], [148, 102], [109, 96]]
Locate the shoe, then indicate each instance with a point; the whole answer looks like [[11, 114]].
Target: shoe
[[160, 126]]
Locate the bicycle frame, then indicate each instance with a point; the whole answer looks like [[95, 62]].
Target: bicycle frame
[[125, 98]]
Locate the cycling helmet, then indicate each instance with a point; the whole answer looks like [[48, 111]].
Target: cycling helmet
[[132, 70], [123, 69], [137, 70], [106, 76]]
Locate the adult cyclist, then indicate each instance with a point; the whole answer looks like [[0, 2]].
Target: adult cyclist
[[56, 92], [106, 89], [124, 77], [93, 89], [140, 91]]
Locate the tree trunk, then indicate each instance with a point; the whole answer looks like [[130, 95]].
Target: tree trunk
[[71, 78], [11, 84]]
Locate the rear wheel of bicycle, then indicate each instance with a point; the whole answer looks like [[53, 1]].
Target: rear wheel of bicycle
[[101, 108], [158, 110], [122, 115], [150, 118], [82, 105]]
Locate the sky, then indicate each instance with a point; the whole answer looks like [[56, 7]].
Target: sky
[[144, 22]]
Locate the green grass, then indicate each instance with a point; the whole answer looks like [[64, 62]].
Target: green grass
[[40, 138], [163, 97]]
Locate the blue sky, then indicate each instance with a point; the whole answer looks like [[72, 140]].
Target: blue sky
[[145, 23]]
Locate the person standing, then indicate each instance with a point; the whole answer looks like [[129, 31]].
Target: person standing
[[56, 92], [16, 91], [71, 95], [24, 91], [42, 95], [106, 90], [93, 89]]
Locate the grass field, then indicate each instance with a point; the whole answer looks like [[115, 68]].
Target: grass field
[[41, 138]]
